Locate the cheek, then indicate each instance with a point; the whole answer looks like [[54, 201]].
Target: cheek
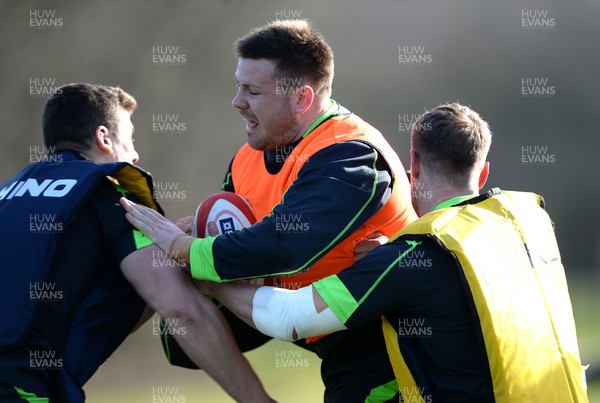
[[131, 149], [124, 149], [272, 116]]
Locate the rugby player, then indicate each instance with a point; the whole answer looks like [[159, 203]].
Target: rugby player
[[68, 253], [309, 161], [473, 295]]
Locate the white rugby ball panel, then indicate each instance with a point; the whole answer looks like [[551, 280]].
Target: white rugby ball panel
[[222, 213]]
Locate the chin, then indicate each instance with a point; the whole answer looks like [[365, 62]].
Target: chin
[[258, 144], [255, 146]]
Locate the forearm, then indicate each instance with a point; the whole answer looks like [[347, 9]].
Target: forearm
[[211, 345], [297, 233], [236, 296], [197, 324], [335, 193], [283, 314]]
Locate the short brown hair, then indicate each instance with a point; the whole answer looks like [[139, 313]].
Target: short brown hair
[[74, 111], [451, 139], [296, 48]]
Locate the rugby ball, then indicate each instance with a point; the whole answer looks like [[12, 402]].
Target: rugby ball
[[222, 213]]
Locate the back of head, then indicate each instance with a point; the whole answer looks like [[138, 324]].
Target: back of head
[[74, 111], [297, 50], [452, 142]]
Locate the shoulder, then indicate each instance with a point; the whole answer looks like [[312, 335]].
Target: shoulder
[[344, 152], [412, 252]]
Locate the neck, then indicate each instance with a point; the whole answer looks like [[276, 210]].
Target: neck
[[314, 113], [439, 193], [95, 155]]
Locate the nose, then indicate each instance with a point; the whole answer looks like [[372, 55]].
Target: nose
[[136, 157], [238, 100]]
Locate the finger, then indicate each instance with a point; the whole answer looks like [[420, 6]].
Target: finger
[[126, 204], [148, 213], [188, 218], [370, 244], [359, 256], [365, 246], [185, 224], [141, 225], [375, 235], [144, 214], [135, 218], [132, 208], [135, 212]]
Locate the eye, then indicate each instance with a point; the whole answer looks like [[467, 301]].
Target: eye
[[246, 88]]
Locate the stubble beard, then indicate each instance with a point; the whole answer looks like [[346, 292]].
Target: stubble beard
[[282, 131]]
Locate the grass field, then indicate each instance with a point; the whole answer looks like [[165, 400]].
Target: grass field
[[585, 297], [138, 373]]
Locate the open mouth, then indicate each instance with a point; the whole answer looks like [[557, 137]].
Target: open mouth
[[251, 124]]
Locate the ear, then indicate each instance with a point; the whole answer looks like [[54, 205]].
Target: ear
[[102, 139], [303, 99], [483, 175], [415, 164]]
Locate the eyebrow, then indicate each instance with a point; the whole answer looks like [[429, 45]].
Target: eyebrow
[[247, 85]]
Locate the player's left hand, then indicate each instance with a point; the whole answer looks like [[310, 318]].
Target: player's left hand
[[156, 227], [373, 240]]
